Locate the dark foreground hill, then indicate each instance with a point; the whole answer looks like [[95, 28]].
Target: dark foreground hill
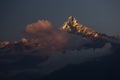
[[104, 68]]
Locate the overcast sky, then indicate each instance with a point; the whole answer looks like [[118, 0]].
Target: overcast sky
[[101, 15]]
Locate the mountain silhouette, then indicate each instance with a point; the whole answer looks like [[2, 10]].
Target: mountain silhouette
[[97, 39], [71, 26]]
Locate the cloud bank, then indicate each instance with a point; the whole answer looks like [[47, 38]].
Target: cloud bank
[[63, 49]]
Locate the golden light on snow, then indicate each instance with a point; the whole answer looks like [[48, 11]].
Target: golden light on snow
[[73, 26]]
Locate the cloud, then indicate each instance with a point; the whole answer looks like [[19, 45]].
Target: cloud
[[40, 27], [51, 39], [60, 60], [62, 49], [36, 65], [47, 35]]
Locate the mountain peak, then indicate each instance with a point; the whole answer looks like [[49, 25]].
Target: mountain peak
[[71, 18], [69, 23], [72, 26]]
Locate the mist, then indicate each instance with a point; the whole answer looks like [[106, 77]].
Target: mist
[[46, 50], [60, 60]]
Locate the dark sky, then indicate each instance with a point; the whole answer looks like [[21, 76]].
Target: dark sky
[[101, 15]]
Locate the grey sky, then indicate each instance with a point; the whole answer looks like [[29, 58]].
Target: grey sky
[[101, 15]]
